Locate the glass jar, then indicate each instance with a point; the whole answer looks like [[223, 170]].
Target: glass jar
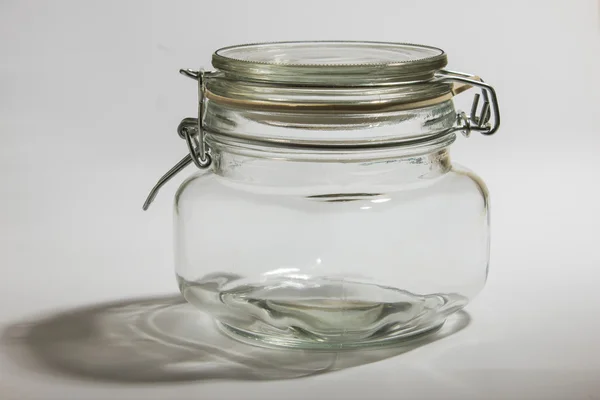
[[331, 215]]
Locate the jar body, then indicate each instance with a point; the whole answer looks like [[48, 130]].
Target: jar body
[[316, 253]]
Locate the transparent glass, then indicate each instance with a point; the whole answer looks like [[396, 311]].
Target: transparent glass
[[339, 248]]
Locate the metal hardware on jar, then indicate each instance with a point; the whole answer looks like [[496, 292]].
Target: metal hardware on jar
[[192, 131], [474, 122]]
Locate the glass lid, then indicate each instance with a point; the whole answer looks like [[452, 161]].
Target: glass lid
[[330, 63]]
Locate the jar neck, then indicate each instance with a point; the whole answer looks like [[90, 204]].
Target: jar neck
[[336, 170]]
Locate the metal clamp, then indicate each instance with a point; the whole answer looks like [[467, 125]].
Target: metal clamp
[[191, 130], [473, 122]]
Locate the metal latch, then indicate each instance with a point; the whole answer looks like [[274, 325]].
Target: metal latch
[[191, 130]]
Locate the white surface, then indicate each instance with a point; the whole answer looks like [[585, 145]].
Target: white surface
[[89, 101]]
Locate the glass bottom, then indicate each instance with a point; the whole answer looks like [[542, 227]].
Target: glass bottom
[[279, 341], [319, 312]]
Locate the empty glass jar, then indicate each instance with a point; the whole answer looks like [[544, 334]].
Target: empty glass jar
[[329, 213]]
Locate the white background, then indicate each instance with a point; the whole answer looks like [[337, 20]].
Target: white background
[[89, 101]]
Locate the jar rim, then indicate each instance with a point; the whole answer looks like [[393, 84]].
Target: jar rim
[[331, 63]]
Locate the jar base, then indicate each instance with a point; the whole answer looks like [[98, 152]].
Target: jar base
[[317, 313], [306, 343]]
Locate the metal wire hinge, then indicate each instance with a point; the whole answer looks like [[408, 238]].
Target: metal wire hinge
[[191, 130], [479, 122]]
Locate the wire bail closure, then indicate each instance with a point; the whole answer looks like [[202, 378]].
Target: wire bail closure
[[191, 130], [473, 122]]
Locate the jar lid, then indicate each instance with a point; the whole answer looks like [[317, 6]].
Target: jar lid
[[331, 63]]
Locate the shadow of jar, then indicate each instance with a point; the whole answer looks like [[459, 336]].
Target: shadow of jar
[[164, 339]]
